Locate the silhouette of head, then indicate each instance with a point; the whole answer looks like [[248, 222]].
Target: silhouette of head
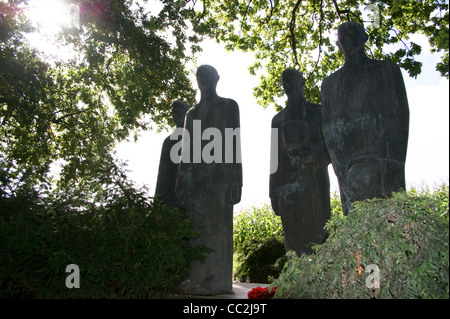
[[293, 82], [207, 77], [351, 36], [179, 109]]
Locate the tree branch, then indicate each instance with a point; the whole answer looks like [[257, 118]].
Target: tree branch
[[347, 12], [60, 119], [320, 39], [269, 17], [291, 31]]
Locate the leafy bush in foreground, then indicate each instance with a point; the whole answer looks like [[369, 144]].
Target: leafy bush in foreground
[[406, 236], [126, 246], [258, 244]]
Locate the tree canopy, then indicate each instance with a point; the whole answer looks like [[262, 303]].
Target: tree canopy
[[128, 67], [302, 34], [130, 63]]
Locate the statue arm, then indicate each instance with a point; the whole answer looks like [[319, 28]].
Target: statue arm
[[274, 178], [401, 124], [181, 184], [392, 136], [319, 149], [159, 189], [233, 171]]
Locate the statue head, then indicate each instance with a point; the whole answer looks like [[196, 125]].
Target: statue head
[[351, 36], [207, 77], [179, 109], [293, 82]]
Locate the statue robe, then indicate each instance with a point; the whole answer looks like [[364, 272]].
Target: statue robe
[[365, 119], [203, 189], [300, 188]]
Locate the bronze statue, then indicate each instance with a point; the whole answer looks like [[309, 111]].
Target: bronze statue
[[209, 183], [168, 167], [365, 119], [300, 188]]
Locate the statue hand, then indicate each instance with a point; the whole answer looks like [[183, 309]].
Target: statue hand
[[277, 204], [234, 194], [180, 192]]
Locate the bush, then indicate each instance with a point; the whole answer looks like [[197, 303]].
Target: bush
[[406, 236], [258, 244], [130, 247]]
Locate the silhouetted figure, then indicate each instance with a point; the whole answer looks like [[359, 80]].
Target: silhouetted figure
[[168, 169], [300, 188], [365, 118], [209, 183]]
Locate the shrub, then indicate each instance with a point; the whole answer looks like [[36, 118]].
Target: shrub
[[130, 247], [258, 244], [406, 236]]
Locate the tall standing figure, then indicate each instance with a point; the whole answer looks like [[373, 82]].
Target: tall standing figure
[[209, 183], [365, 118], [168, 168], [300, 188]]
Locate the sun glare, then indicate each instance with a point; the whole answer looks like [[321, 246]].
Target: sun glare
[[49, 16]]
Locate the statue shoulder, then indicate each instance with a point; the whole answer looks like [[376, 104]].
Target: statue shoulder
[[190, 116], [278, 118], [395, 69], [167, 141], [313, 106], [332, 78], [386, 66], [314, 109], [191, 112], [334, 75], [230, 103]]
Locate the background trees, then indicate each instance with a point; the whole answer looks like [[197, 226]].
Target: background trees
[[126, 69], [302, 34]]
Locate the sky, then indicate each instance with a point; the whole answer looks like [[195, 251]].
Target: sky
[[427, 161]]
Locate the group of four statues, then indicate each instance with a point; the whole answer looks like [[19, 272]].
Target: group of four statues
[[361, 128]]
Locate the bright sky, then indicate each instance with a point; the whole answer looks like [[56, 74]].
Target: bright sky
[[428, 149]]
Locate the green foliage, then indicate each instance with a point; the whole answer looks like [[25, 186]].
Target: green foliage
[[258, 244], [335, 205], [406, 236], [302, 34], [125, 244], [336, 211], [128, 66]]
